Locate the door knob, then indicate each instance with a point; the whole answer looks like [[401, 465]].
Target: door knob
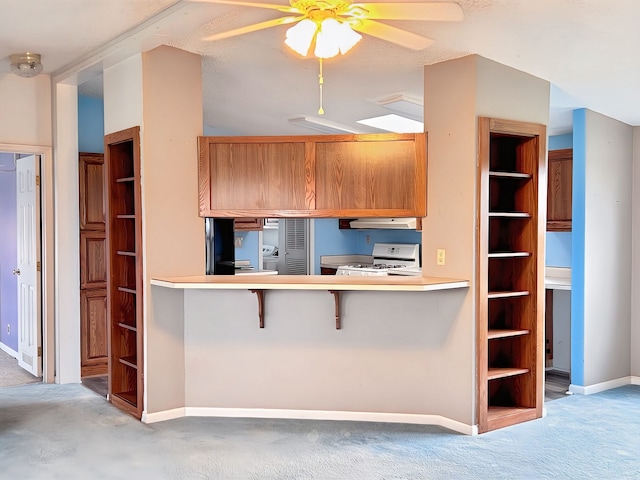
[[16, 271]]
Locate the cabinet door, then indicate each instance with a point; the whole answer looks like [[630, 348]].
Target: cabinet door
[[559, 190], [92, 212], [93, 330], [247, 224], [254, 176], [383, 176]]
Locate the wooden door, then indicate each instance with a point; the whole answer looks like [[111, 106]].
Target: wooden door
[[93, 278]]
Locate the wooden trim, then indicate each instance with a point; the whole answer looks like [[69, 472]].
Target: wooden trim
[[367, 137], [482, 303], [204, 174]]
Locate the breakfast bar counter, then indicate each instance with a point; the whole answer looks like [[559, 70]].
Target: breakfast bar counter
[[311, 282], [379, 348]]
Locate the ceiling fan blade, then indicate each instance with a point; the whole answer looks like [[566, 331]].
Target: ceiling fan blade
[[443, 12], [392, 34], [281, 8], [253, 28]]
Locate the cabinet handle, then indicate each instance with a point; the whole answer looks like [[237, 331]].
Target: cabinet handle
[[16, 271]]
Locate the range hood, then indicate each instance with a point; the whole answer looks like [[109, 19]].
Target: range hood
[[379, 222]]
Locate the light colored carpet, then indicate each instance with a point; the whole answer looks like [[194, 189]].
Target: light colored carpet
[[69, 432], [11, 374]]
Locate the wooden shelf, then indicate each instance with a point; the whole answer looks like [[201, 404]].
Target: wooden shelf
[[496, 373], [514, 175], [509, 214], [505, 333], [125, 179], [127, 326], [129, 397], [508, 294], [509, 254], [126, 216], [129, 361]]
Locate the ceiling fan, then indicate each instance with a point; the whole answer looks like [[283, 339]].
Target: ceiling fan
[[331, 25]]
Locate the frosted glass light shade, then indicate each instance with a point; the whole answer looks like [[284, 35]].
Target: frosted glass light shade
[[300, 36], [331, 37], [26, 64]]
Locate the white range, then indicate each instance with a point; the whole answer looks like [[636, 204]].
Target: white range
[[388, 259]]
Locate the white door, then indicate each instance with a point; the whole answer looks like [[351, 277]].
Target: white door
[[28, 202]]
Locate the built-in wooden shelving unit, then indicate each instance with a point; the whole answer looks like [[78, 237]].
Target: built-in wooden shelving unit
[[510, 273], [124, 271]]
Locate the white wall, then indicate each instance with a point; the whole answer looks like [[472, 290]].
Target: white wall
[[608, 225], [67, 243], [562, 330], [123, 95], [635, 312]]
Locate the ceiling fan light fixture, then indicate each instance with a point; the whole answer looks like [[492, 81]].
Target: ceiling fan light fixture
[[26, 64], [300, 36], [331, 37]]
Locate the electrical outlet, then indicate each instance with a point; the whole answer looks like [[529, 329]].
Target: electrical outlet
[[440, 256], [368, 238], [9, 328], [237, 241]]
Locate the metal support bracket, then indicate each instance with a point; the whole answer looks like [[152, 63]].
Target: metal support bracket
[[260, 294], [336, 297]]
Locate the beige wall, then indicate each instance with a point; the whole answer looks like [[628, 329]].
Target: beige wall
[[173, 233], [635, 249], [25, 110], [607, 266], [456, 93]]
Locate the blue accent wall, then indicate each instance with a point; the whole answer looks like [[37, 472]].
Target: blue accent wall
[[8, 255], [90, 124], [578, 247], [558, 252], [250, 248], [558, 142]]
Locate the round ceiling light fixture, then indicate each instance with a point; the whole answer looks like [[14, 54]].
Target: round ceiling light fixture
[[26, 64]]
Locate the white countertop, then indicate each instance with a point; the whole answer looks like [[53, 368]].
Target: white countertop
[[557, 278], [311, 282]]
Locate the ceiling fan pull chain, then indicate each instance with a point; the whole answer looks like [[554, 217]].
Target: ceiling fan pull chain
[[320, 82]]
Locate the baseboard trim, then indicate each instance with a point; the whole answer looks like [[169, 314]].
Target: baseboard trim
[[8, 350], [635, 380], [601, 387], [417, 419], [163, 415]]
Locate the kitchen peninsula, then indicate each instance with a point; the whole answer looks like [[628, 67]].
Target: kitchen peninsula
[[395, 334]]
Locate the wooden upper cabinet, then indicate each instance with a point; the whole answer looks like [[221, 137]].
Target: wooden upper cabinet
[[365, 176], [313, 176], [559, 190], [252, 176]]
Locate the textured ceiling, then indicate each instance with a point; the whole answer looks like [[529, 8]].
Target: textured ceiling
[[587, 49]]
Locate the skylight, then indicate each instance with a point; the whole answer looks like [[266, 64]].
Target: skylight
[[394, 123]]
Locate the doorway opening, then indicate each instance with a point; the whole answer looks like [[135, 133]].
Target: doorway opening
[[21, 286]]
